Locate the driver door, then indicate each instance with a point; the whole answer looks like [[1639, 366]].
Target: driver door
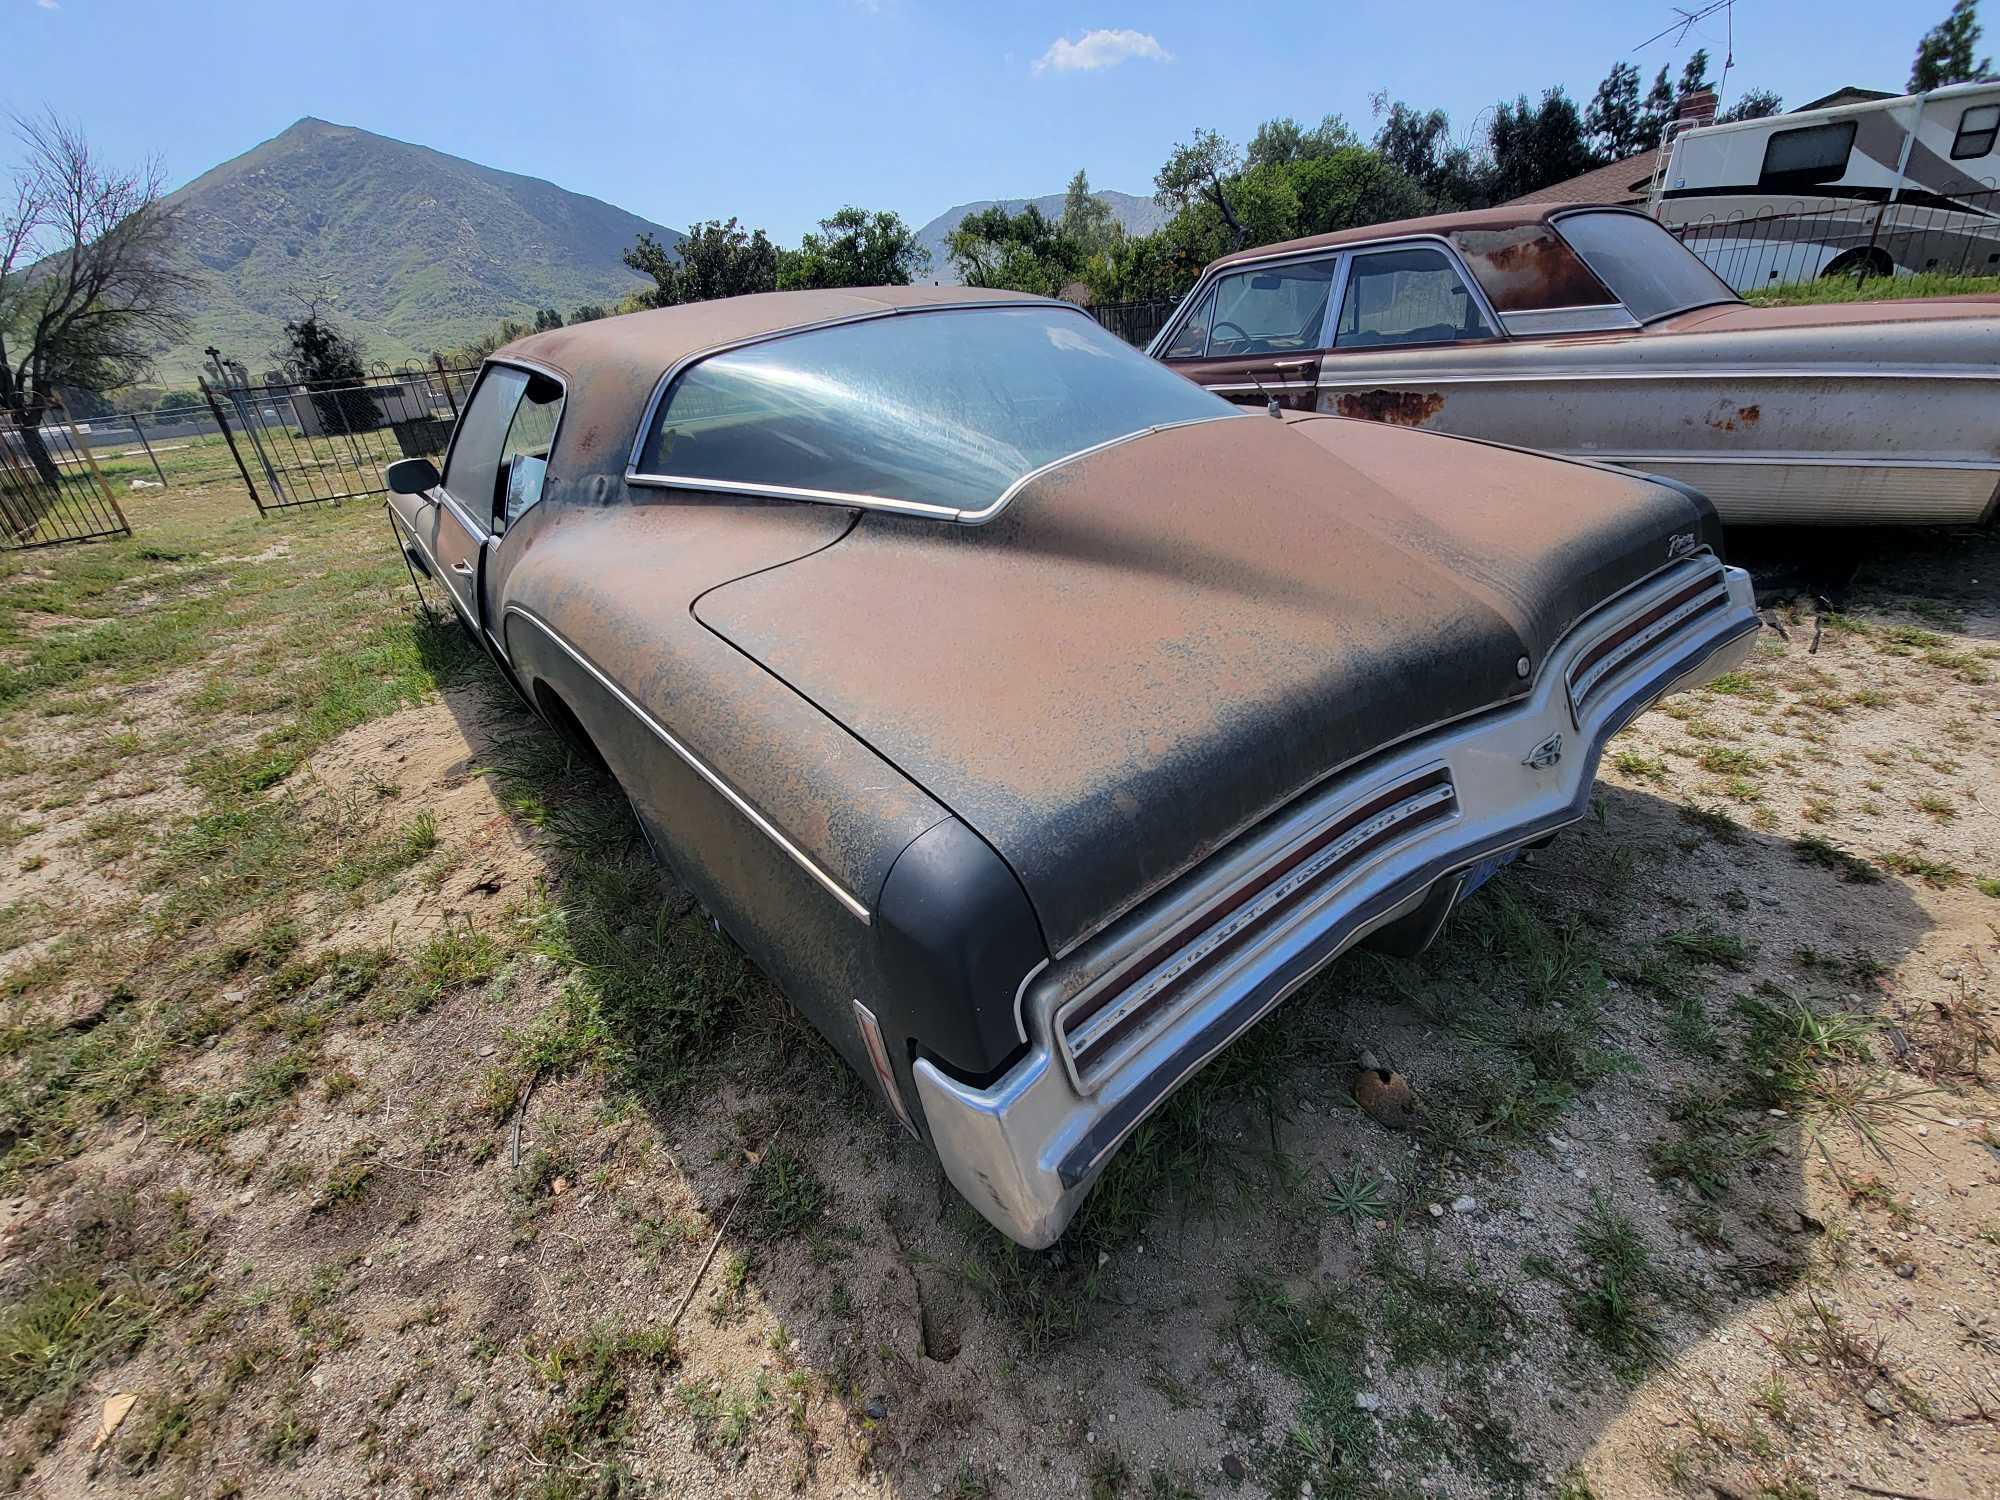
[[494, 472], [1256, 335]]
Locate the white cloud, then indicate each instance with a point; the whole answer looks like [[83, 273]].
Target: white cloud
[[1100, 49], [49, 4]]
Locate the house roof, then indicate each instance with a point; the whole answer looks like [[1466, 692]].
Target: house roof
[[1623, 181], [1847, 94]]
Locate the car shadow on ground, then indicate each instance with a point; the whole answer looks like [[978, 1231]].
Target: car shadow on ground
[[1602, 1167]]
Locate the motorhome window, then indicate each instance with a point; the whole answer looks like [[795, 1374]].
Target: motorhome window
[[1976, 129], [1810, 154]]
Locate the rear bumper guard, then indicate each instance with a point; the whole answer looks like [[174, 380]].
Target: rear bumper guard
[[1184, 982]]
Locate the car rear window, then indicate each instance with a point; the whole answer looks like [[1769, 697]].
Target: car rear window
[[944, 408], [1651, 272]]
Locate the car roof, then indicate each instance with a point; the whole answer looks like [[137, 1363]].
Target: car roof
[[647, 343], [1507, 216], [610, 366]]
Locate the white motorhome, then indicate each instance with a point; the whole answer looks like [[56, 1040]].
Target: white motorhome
[[1879, 187]]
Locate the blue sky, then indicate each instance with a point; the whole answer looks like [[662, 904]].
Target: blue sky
[[780, 113]]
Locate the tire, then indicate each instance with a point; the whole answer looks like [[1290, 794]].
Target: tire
[[1868, 262]]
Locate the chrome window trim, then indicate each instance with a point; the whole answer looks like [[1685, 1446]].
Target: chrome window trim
[[1401, 242], [956, 515], [1347, 252], [1662, 372], [483, 531], [1336, 285], [700, 767], [1602, 317], [634, 475]]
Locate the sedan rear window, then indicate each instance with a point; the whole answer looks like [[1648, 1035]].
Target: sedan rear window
[[946, 409], [1648, 270]]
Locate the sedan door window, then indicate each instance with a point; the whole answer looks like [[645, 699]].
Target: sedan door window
[[1274, 310], [1409, 296], [1191, 340], [499, 457]]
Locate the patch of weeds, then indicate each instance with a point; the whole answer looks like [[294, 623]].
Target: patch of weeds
[[1640, 767], [456, 957], [1787, 1044], [1726, 761], [722, 1416], [1689, 1029], [1936, 873], [1942, 808], [1109, 1474], [1989, 885], [345, 1184], [1615, 1300], [1431, 1317], [1317, 1341], [1814, 850], [1705, 1148], [595, 1373], [1356, 1197], [286, 1438], [782, 1196], [1708, 945], [1711, 823]]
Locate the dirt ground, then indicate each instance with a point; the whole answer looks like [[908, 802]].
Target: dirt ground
[[403, 1179]]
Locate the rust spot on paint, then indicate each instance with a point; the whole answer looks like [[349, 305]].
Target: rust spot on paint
[[1729, 418], [1398, 408]]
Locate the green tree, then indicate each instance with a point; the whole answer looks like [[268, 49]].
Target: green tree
[[1945, 54], [328, 363], [1024, 252], [1283, 141], [586, 312], [855, 248], [1087, 220], [1419, 143], [1694, 74], [1656, 112], [1197, 172], [547, 318], [1535, 145], [1755, 104], [176, 401], [717, 259], [1613, 118]]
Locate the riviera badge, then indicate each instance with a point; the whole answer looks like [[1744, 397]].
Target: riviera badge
[[1544, 755]]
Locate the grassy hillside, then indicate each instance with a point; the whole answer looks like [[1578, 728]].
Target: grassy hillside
[[422, 250]]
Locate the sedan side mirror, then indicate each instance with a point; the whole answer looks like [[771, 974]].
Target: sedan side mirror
[[411, 476]]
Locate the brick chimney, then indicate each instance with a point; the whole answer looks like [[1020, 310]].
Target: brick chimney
[[1695, 110]]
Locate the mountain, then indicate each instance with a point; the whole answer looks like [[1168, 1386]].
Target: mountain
[[420, 250], [1138, 215]]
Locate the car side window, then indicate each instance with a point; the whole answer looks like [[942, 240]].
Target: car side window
[[1409, 296], [1976, 130], [499, 458], [1191, 342], [1274, 310]]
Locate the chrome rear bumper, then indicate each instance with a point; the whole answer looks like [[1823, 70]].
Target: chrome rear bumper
[[1118, 1025]]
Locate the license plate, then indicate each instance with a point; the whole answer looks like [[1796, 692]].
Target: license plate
[[1484, 871]]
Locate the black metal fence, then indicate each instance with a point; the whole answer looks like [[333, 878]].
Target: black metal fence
[[50, 488], [1135, 322], [1802, 242], [312, 442]]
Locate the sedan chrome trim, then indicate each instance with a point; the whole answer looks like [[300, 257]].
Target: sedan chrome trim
[[1332, 374], [1602, 318], [1792, 461], [956, 514], [696, 764]]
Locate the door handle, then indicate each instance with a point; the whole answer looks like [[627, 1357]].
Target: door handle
[[463, 567]]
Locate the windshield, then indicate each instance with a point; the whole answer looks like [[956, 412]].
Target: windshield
[[1648, 270], [944, 408]]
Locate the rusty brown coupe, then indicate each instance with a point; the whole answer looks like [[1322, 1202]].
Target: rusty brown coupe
[[1035, 718]]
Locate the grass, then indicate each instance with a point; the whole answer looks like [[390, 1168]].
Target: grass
[[1872, 289], [1614, 1296], [1316, 1339]]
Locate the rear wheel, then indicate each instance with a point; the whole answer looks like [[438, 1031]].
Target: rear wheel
[[1868, 262]]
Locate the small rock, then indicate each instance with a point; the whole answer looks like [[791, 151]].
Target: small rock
[[1437, 1210], [1385, 1097], [1233, 1468], [1464, 1204], [318, 1381], [246, 1198], [878, 1408], [1907, 1271], [1089, 1436], [1877, 1402], [1367, 1400]]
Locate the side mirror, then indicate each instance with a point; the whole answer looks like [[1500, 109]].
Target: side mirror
[[411, 476]]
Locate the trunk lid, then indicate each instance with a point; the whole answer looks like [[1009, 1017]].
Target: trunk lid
[[1157, 645]]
